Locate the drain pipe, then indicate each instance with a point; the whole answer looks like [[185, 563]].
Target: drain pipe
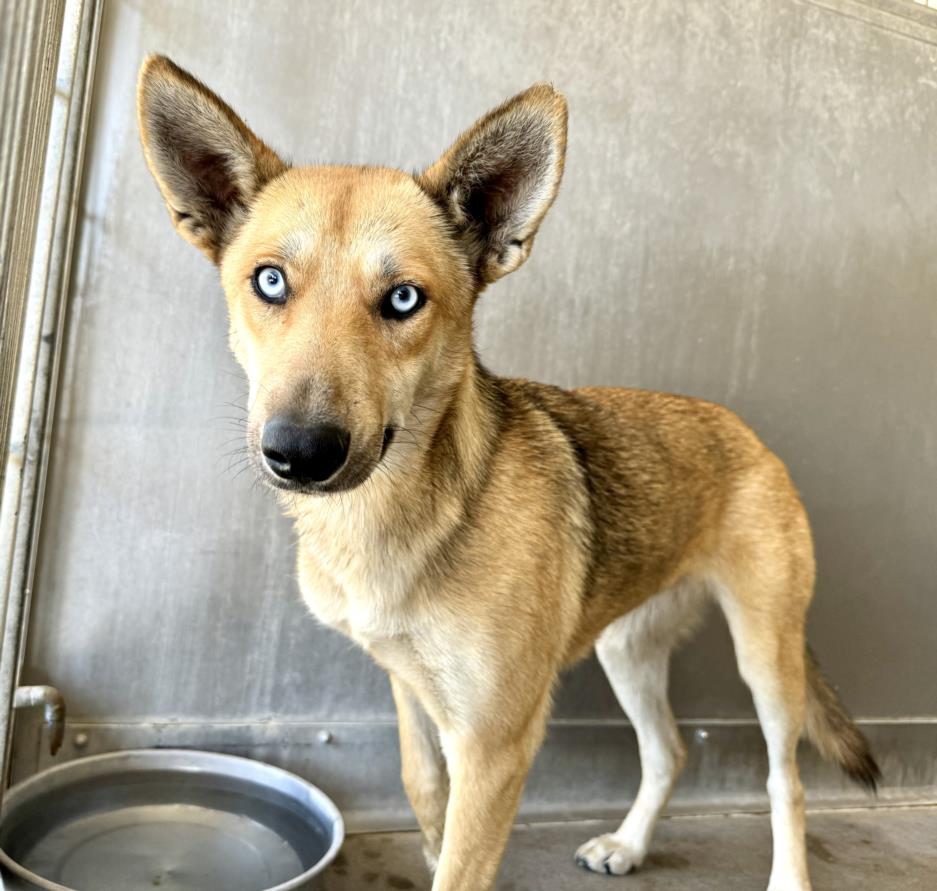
[[53, 704]]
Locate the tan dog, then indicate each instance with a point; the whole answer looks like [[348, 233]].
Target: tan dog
[[476, 534]]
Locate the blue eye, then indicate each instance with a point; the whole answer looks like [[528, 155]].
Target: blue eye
[[270, 284], [402, 302]]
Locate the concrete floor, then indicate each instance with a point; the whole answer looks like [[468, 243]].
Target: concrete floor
[[881, 849]]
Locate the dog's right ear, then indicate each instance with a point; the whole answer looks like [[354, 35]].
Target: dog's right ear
[[206, 161]]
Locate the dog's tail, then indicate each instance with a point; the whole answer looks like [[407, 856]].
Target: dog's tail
[[831, 729]]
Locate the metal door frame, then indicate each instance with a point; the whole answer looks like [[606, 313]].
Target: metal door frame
[[47, 67]]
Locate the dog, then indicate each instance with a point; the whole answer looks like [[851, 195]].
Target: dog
[[477, 535]]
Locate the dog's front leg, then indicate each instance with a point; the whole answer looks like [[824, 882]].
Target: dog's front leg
[[422, 768], [487, 774]]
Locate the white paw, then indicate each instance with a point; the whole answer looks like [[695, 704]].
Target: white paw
[[609, 855]]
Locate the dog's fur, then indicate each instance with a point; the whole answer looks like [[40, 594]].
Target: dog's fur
[[485, 533]]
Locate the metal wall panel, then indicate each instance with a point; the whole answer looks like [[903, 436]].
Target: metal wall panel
[[748, 215]]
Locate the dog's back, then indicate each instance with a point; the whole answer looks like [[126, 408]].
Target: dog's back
[[663, 474]]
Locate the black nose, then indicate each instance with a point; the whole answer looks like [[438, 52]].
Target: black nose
[[303, 454]]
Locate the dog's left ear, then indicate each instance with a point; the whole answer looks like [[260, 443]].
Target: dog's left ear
[[500, 177]]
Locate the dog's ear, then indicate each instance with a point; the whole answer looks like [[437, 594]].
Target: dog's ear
[[206, 161], [500, 177]]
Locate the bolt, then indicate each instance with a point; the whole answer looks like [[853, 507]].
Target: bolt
[[81, 740], [325, 737], [701, 735]]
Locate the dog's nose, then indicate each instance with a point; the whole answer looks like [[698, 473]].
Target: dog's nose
[[303, 454]]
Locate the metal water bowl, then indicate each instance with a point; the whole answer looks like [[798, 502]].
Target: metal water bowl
[[171, 819]]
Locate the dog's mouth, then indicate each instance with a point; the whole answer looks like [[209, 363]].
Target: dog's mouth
[[356, 470], [388, 439]]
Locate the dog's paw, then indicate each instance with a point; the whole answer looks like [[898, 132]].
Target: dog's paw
[[608, 854]]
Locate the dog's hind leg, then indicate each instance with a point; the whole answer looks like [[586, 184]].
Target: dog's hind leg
[[763, 579], [770, 649], [635, 653]]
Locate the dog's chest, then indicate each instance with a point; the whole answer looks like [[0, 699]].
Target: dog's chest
[[349, 603], [408, 628], [364, 589], [363, 567], [382, 592], [408, 633]]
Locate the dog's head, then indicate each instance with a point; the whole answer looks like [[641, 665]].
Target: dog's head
[[350, 289]]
